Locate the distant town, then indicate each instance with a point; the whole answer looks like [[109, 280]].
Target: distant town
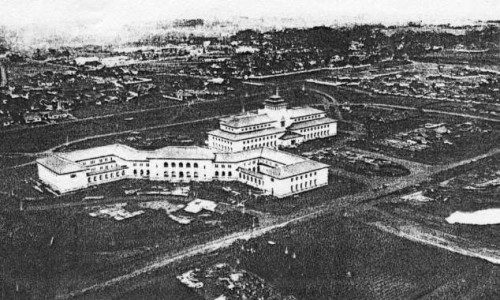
[[211, 161]]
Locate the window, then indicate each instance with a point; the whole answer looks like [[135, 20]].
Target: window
[[216, 173], [195, 165], [188, 174], [165, 174], [223, 173], [123, 173], [165, 165], [135, 172], [73, 176], [142, 172], [181, 165], [188, 165], [173, 174], [195, 174], [173, 165], [90, 179]]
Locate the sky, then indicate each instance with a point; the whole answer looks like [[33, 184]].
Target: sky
[[107, 17], [117, 12]]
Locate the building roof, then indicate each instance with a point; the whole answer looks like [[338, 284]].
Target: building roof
[[290, 135], [246, 120], [275, 99], [297, 112], [60, 165], [179, 152], [304, 166], [233, 157], [129, 153], [280, 156], [264, 153], [245, 135], [316, 122]]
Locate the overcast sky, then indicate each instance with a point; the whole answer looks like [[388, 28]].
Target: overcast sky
[[113, 13], [103, 20]]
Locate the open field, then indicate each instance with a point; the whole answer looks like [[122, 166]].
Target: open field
[[177, 135], [67, 248], [467, 189], [14, 160], [423, 137], [338, 258]]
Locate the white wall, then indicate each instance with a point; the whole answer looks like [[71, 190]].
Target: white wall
[[158, 169], [62, 183]]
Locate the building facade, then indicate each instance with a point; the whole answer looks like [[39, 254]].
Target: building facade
[[277, 173], [273, 126]]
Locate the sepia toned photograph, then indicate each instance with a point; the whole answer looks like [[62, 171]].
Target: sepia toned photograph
[[249, 150]]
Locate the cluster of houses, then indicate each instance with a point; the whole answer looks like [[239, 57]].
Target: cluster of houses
[[51, 95], [253, 158]]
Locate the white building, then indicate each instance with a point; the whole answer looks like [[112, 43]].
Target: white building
[[279, 173], [273, 126]]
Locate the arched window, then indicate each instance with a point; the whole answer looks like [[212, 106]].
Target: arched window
[[135, 172], [90, 179], [142, 172], [165, 165], [188, 165], [181, 165], [147, 172], [117, 174], [223, 173], [216, 173], [173, 165], [195, 165], [95, 178], [100, 177], [181, 174], [229, 174]]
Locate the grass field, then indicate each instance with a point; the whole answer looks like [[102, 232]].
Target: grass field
[[464, 144], [338, 258], [68, 249], [457, 190]]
